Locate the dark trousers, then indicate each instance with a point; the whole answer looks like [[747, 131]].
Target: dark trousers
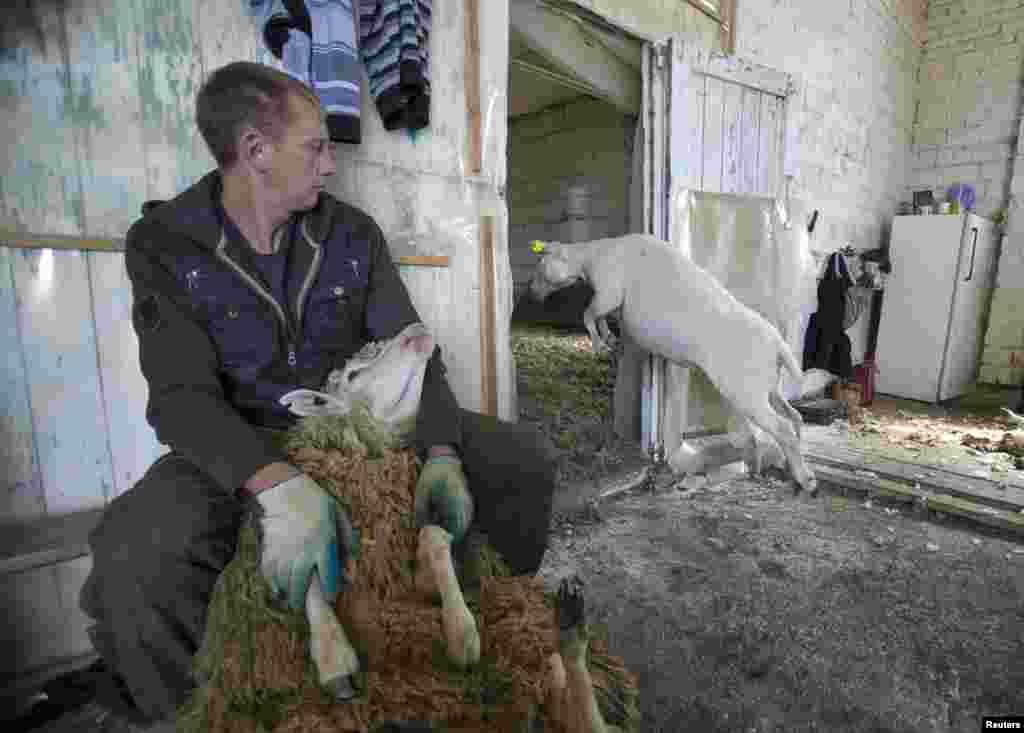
[[160, 547]]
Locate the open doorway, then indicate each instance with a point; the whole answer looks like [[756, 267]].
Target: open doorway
[[575, 91]]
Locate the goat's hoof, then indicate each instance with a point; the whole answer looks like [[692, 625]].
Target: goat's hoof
[[461, 637]]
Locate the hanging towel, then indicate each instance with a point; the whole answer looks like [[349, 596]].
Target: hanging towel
[[316, 41], [394, 43]]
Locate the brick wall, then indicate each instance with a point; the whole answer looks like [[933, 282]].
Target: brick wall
[[966, 130], [584, 147]]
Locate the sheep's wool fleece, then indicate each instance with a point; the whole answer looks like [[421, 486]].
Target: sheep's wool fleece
[[256, 673]]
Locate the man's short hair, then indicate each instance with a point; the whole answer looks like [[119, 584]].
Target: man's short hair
[[242, 94]]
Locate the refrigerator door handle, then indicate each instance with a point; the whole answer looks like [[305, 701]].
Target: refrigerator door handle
[[974, 249]]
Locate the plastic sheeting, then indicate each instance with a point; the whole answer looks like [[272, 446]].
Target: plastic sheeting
[[759, 248]]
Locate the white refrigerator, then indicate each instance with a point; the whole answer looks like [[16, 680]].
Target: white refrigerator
[[935, 305]]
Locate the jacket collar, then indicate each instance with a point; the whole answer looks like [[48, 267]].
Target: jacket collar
[[193, 213]]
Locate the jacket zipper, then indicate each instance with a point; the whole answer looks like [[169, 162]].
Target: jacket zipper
[[314, 268], [262, 292]]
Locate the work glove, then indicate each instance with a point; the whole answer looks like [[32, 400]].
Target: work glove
[[442, 497], [304, 529]]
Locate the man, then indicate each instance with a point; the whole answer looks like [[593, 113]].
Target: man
[[251, 283]]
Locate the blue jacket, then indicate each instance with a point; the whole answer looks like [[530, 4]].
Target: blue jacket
[[216, 348]]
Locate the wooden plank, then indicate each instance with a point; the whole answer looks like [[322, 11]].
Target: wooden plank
[[734, 70], [42, 185], [133, 443], [22, 495], [713, 153], [16, 240], [71, 577], [769, 144], [114, 244], [472, 72], [934, 478], [793, 121], [750, 134], [102, 85], [731, 137], [865, 485], [958, 507], [488, 346], [31, 635], [45, 541], [168, 73], [728, 26], [64, 381], [687, 115], [424, 260]]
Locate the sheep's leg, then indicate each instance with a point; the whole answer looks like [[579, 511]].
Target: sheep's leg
[[336, 662], [765, 417], [582, 713], [600, 306], [606, 333], [557, 695], [436, 574], [782, 406]]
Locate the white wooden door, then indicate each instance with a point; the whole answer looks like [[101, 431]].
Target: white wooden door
[[713, 123]]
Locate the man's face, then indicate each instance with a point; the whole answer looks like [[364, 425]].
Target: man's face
[[303, 158]]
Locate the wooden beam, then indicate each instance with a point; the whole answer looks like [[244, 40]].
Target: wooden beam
[[114, 244], [472, 71], [17, 240], [564, 45], [728, 27], [424, 260], [488, 319]]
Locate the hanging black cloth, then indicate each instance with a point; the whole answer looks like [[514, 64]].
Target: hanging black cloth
[[826, 345]]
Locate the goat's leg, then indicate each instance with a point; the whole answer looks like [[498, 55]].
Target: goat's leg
[[336, 661], [582, 713], [436, 574]]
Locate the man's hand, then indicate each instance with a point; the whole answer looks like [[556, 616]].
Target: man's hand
[[303, 529], [442, 497]]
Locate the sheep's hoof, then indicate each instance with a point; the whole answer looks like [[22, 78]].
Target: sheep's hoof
[[341, 688], [570, 607], [461, 637]]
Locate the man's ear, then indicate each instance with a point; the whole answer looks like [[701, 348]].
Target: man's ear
[[253, 149]]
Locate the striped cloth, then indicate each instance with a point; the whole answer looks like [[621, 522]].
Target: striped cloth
[[394, 44], [316, 41]]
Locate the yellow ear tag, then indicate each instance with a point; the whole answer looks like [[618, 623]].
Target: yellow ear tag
[[537, 246]]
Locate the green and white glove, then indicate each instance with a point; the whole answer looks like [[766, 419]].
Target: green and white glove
[[304, 529], [442, 497]]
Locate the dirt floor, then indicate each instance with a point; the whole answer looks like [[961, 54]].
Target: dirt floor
[[745, 608]]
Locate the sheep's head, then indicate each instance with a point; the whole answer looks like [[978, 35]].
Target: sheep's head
[[554, 271], [386, 375]]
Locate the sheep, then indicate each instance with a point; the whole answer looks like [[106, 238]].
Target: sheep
[[676, 309], [385, 378]]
